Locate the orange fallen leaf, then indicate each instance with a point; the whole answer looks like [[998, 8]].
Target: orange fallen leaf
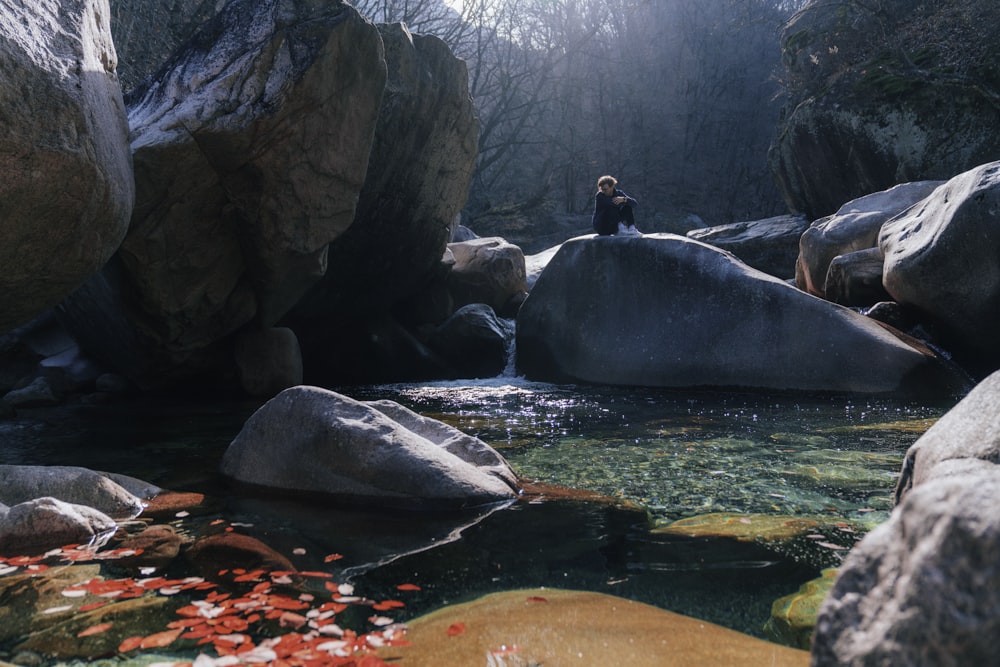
[[388, 604], [130, 644], [332, 557], [160, 639], [93, 605], [535, 598], [94, 630], [456, 629]]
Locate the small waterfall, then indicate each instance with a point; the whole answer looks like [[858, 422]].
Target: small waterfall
[[510, 369]]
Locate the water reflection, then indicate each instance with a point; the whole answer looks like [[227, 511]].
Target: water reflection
[[671, 454], [686, 453]]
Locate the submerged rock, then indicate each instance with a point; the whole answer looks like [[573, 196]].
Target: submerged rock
[[310, 440], [37, 592], [557, 627], [667, 311], [793, 617], [744, 527]]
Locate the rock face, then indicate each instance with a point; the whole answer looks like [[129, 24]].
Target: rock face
[[256, 137], [883, 96], [310, 440], [147, 33], [923, 588], [941, 260], [295, 165], [67, 189], [854, 227], [422, 159], [663, 310], [421, 164]]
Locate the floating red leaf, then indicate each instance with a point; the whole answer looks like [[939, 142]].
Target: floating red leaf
[[130, 644], [408, 587], [456, 629], [94, 630], [160, 639]]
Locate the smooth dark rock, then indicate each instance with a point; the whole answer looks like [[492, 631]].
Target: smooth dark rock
[[667, 311]]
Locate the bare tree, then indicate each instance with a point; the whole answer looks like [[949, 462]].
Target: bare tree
[[676, 97]]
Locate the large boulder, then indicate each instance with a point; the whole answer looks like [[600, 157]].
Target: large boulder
[[884, 93], [941, 260], [769, 245], [419, 171], [67, 189], [966, 439], [422, 159], [251, 147], [474, 340], [855, 226], [491, 271], [313, 441], [663, 310], [922, 588]]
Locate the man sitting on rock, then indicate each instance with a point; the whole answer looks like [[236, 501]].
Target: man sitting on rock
[[613, 209]]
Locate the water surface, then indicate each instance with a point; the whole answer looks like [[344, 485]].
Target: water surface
[[661, 455]]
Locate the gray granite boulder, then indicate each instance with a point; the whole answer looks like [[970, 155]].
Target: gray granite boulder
[[474, 340], [941, 260], [966, 438], [855, 226], [664, 310], [488, 270], [855, 279], [770, 245], [71, 484], [67, 189], [37, 525], [924, 587], [314, 441], [268, 361], [251, 147]]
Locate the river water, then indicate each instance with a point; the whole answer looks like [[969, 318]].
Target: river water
[[658, 455]]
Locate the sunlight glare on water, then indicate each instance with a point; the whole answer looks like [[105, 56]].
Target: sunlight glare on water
[[680, 453]]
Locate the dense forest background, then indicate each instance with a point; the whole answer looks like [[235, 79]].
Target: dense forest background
[[679, 99]]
